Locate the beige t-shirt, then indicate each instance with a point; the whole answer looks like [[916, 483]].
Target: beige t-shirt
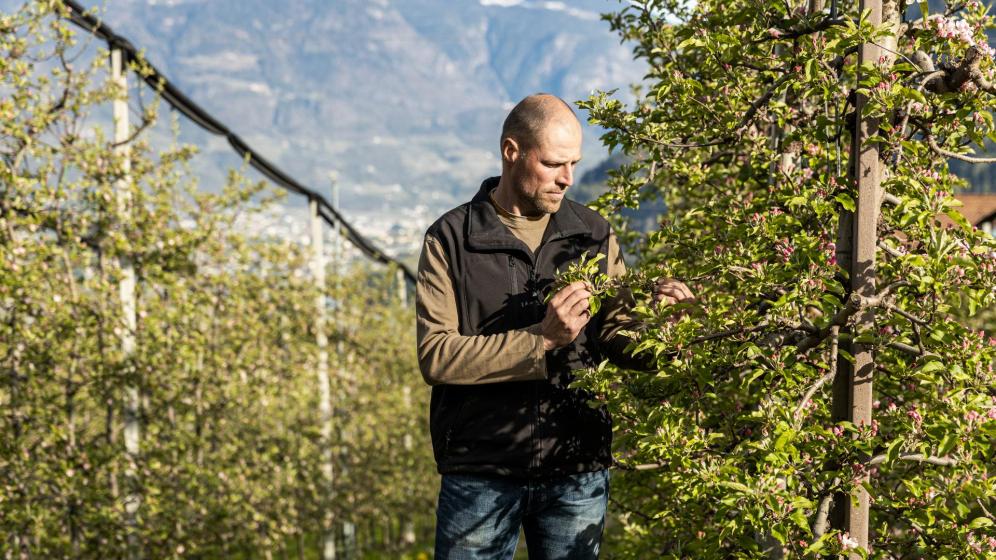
[[446, 356]]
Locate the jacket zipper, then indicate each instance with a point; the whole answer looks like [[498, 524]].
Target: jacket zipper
[[537, 439]]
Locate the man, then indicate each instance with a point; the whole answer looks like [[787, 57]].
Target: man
[[515, 445]]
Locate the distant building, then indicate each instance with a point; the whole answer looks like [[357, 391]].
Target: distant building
[[979, 210]]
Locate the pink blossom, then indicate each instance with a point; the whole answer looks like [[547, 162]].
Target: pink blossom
[[973, 543], [846, 542], [773, 32], [785, 249], [915, 416], [950, 28]]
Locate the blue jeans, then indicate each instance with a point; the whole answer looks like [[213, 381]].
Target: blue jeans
[[478, 516]]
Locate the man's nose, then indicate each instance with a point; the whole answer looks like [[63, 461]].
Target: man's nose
[[566, 177]]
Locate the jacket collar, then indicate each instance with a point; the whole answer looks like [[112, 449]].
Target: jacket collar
[[486, 232]]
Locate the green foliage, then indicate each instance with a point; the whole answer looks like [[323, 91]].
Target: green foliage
[[586, 270], [231, 444], [743, 129]]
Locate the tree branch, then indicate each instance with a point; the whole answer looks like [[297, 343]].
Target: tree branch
[[730, 332], [786, 34], [823, 511], [737, 131], [917, 458], [906, 314], [146, 123], [816, 386], [948, 153], [625, 508], [984, 509], [909, 349], [821, 520], [889, 250], [854, 304]]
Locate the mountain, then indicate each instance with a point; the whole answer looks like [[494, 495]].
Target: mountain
[[403, 98]]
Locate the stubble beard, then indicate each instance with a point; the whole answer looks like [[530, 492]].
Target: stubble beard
[[547, 207], [543, 205]]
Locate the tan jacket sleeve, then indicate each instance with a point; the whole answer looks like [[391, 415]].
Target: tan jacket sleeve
[[618, 306], [446, 356]]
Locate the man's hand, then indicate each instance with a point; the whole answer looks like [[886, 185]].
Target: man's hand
[[671, 291], [566, 314]]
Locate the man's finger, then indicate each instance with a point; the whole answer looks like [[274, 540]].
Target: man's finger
[[669, 291], [580, 307], [675, 288], [566, 292], [572, 300], [665, 299], [686, 290]]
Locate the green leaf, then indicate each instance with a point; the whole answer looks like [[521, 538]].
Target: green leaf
[[784, 438], [892, 452], [811, 68], [979, 522], [846, 201], [959, 219], [801, 521], [930, 366], [816, 546], [738, 486], [947, 444]]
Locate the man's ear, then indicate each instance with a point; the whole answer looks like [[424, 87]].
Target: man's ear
[[510, 150]]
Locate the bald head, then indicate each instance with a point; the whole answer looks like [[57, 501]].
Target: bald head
[[540, 146], [532, 115]]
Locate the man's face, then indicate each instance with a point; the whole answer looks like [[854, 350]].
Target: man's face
[[542, 172]]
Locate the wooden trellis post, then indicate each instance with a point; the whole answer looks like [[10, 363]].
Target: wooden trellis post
[[126, 295], [348, 527], [402, 288], [853, 390], [324, 387]]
